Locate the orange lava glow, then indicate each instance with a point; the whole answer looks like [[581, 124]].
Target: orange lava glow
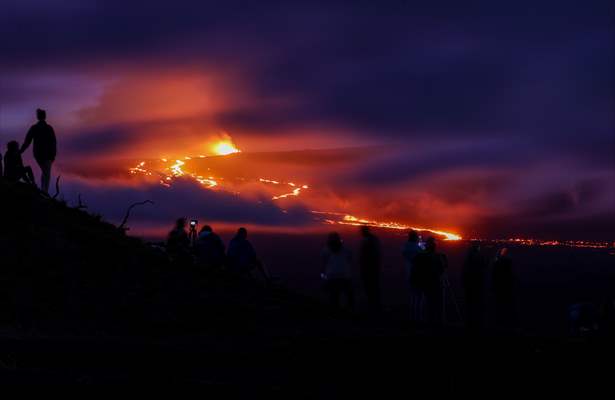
[[168, 170], [296, 191], [352, 220], [553, 243], [178, 169], [224, 146]]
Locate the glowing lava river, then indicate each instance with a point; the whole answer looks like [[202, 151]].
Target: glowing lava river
[[167, 171], [196, 168]]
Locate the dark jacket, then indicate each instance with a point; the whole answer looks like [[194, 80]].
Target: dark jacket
[[503, 279], [369, 253], [44, 139], [241, 255], [209, 249], [473, 273], [13, 165], [427, 271], [177, 241]]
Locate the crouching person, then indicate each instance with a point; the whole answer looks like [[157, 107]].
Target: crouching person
[[14, 170]]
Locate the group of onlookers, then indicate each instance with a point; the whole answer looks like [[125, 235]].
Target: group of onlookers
[[425, 271], [474, 272], [207, 249], [425, 274], [43, 138]]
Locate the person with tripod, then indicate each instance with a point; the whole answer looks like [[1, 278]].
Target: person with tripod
[[427, 277]]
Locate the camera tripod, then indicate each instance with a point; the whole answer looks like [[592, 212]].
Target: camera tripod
[[447, 289], [192, 235]]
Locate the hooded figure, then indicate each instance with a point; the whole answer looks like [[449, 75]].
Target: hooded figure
[[209, 248]]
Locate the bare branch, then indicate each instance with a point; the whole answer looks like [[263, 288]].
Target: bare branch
[[123, 224], [57, 187], [81, 205]]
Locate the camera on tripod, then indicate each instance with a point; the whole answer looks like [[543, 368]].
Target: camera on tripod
[[192, 233]]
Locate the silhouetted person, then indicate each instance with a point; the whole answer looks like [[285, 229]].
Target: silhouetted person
[[242, 257], [178, 242], [409, 252], [473, 277], [429, 266], [14, 169], [44, 147], [209, 248], [504, 290], [336, 271], [369, 262]]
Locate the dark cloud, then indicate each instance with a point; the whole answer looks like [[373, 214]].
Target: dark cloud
[[99, 141], [184, 197], [565, 202], [517, 83]]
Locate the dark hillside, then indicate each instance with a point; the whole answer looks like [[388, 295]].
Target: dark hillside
[[83, 302]]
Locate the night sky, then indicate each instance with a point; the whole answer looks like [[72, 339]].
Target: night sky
[[488, 118]]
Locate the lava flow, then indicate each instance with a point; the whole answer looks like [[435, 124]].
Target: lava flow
[[352, 220], [169, 170], [220, 148]]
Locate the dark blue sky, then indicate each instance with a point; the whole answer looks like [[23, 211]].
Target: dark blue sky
[[502, 111]]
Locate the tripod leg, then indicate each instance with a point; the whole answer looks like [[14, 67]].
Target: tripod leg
[[443, 303]]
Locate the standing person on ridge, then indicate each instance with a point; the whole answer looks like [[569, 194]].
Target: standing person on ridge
[[44, 147]]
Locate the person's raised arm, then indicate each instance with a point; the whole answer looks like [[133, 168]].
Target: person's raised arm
[[28, 140]]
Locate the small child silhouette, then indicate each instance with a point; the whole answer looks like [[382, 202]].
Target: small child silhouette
[[14, 169]]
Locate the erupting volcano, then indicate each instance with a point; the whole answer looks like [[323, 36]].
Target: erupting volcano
[[219, 171], [254, 175]]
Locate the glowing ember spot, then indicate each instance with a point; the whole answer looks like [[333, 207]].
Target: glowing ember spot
[[139, 169], [176, 169], [560, 243], [268, 181], [283, 196], [295, 192], [207, 182]]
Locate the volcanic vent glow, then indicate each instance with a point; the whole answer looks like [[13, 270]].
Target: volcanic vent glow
[[225, 146]]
